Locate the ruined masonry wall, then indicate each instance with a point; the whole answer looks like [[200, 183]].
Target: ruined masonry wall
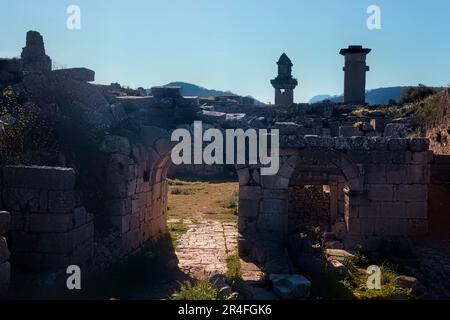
[[5, 267], [388, 189], [50, 229]]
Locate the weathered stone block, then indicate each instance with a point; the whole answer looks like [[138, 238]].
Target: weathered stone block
[[421, 157], [381, 192], [401, 157], [412, 193], [349, 131], [61, 201], [290, 286], [34, 177], [248, 208], [5, 277], [370, 211], [393, 210], [5, 222], [118, 207], [397, 173], [417, 210], [375, 173], [398, 144], [250, 193], [274, 182], [417, 227], [115, 144], [273, 206], [80, 217], [25, 199], [121, 222], [79, 74], [52, 223], [418, 174], [4, 252], [419, 144]]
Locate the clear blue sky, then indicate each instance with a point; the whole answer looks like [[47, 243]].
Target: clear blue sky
[[234, 44]]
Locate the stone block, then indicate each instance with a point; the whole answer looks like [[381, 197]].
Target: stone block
[[5, 222], [79, 74], [274, 182], [61, 201], [273, 206], [417, 227], [80, 217], [375, 173], [412, 193], [25, 199], [34, 177], [417, 210], [5, 277], [248, 208], [381, 192], [349, 131], [50, 223], [418, 174], [115, 144], [121, 222], [250, 193], [166, 92], [4, 252], [118, 207], [290, 286], [419, 144], [393, 210], [397, 173], [401, 157], [398, 144], [370, 211], [421, 157]]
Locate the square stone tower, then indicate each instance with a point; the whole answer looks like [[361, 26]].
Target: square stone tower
[[355, 74], [284, 83]]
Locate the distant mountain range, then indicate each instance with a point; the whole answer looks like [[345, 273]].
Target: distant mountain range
[[190, 89], [375, 96]]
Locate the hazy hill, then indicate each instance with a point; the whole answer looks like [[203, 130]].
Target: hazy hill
[[375, 96], [190, 89]]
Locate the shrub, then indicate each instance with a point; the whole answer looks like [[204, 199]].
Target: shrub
[[232, 202], [358, 125], [182, 191], [29, 129], [203, 289], [415, 94]]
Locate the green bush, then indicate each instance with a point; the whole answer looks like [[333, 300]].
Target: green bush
[[203, 289], [415, 94]]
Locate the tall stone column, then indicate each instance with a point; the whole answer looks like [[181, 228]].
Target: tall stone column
[[355, 74]]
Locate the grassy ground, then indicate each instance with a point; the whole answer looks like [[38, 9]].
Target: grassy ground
[[350, 282], [203, 200]]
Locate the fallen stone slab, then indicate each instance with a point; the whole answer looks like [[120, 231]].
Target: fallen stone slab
[[290, 286]]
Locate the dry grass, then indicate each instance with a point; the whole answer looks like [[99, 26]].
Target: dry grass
[[200, 200]]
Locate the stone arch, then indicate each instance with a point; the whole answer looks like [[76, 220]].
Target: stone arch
[[349, 169]]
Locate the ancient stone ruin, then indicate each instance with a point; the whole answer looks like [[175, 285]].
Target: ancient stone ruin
[[362, 184]]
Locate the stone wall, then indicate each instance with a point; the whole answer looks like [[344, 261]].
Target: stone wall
[[136, 189], [386, 195], [50, 229], [439, 196], [5, 267]]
